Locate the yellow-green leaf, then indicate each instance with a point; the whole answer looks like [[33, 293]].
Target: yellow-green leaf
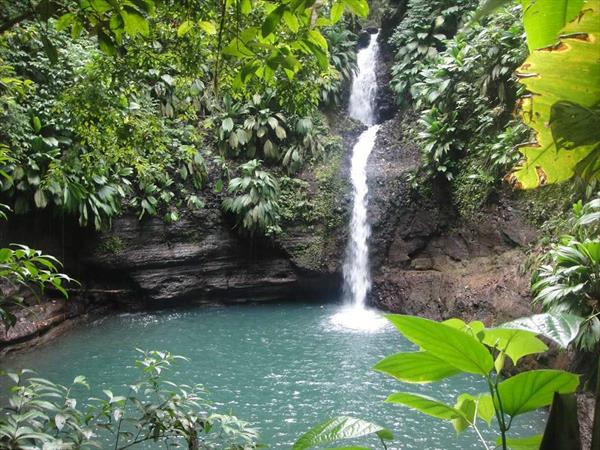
[[184, 28], [514, 343], [543, 19], [358, 7], [337, 11], [535, 389], [426, 405], [455, 347], [208, 27], [566, 72], [415, 367], [291, 21]]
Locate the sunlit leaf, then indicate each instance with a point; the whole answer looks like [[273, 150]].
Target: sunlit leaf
[[458, 349], [535, 389], [545, 77], [335, 429], [426, 405], [415, 367]]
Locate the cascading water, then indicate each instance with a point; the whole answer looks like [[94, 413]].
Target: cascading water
[[357, 280]]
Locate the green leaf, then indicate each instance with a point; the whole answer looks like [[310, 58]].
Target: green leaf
[[472, 407], [64, 21], [467, 405], [185, 26], [40, 199], [208, 27], [246, 7], [426, 405], [573, 125], [318, 53], [291, 20], [317, 38], [36, 123], [272, 20], [561, 328], [514, 343], [545, 76], [535, 389], [415, 367], [448, 344], [543, 19], [337, 11], [358, 7], [227, 124], [527, 443], [335, 429], [238, 49], [106, 44], [134, 22]]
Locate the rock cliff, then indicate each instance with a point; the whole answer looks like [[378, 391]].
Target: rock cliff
[[428, 261]]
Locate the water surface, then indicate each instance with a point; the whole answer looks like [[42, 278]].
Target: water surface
[[282, 366]]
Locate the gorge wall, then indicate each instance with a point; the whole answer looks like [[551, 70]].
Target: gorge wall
[[424, 258]]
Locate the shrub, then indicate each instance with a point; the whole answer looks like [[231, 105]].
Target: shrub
[[569, 279], [255, 203], [42, 414]]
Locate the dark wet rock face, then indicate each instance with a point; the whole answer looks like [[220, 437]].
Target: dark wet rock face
[[199, 259], [429, 262], [385, 99]]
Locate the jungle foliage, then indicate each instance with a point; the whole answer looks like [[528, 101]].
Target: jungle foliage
[[128, 105], [24, 269], [468, 74], [569, 278], [459, 76], [42, 414]]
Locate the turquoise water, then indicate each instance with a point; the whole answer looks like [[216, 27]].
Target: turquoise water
[[281, 366]]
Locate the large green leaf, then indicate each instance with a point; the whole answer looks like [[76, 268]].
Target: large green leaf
[[543, 19], [446, 343], [426, 405], [565, 72], [415, 367], [336, 429], [535, 389], [560, 328], [272, 20], [514, 343]]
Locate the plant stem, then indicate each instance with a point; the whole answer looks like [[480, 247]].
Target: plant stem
[[474, 425], [498, 410]]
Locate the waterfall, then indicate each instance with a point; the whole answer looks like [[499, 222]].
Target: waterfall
[[361, 107], [364, 85], [356, 267], [357, 281]]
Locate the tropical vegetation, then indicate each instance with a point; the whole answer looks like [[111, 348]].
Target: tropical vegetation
[[156, 108], [42, 414]]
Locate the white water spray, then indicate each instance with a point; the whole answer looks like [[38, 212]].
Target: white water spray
[[364, 85], [356, 266]]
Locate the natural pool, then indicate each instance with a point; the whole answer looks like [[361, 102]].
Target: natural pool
[[282, 366]]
